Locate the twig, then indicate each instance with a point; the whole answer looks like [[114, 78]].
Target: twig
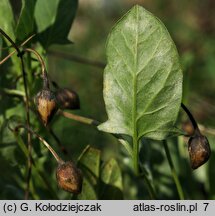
[[149, 186], [10, 40], [28, 125], [63, 149], [41, 174], [20, 55], [79, 118], [210, 131], [8, 56], [44, 73], [78, 59], [174, 174], [202, 128], [58, 159], [193, 121]]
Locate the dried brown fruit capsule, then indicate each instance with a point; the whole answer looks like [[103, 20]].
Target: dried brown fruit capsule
[[199, 150], [46, 105], [198, 145], [67, 99], [69, 177]]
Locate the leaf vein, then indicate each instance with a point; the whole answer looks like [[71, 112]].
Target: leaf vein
[[126, 43], [148, 36], [121, 56], [150, 102], [118, 83], [151, 57]]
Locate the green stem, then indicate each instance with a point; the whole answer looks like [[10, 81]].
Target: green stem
[[136, 155], [9, 55], [20, 55], [10, 40], [78, 59], [39, 173], [192, 119], [14, 92], [173, 171], [28, 124], [55, 137], [150, 188], [45, 143], [79, 118]]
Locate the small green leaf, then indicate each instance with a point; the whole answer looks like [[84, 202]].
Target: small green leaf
[[142, 79], [89, 162], [88, 191], [112, 181], [54, 19], [7, 19], [26, 23]]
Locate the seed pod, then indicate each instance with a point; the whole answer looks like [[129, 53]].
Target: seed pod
[[69, 177], [67, 99], [199, 150], [46, 105]]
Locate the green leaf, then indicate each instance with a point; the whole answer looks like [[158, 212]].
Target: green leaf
[[112, 179], [7, 19], [89, 162], [100, 182], [26, 23], [142, 79], [54, 19]]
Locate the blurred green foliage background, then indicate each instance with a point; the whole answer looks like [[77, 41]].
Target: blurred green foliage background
[[192, 27]]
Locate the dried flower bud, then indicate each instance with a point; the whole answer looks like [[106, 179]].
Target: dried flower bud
[[69, 177], [67, 99], [46, 105], [199, 150]]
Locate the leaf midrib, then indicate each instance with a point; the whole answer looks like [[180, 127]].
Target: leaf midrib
[[134, 107]]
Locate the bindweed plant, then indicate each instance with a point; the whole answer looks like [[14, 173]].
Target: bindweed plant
[[142, 92]]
